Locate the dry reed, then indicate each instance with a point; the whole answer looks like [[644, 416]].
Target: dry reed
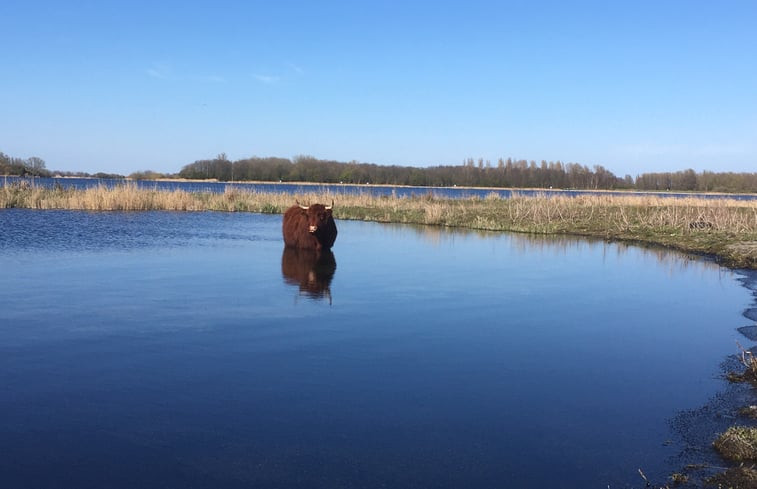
[[722, 227], [749, 362], [738, 443]]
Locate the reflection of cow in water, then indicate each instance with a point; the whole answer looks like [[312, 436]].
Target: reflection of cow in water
[[309, 227], [311, 270]]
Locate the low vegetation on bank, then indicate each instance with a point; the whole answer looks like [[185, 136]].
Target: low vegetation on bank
[[724, 228], [738, 443]]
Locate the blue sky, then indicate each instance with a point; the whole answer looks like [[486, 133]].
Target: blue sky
[[633, 86]]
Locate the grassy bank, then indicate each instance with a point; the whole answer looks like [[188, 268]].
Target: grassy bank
[[723, 228]]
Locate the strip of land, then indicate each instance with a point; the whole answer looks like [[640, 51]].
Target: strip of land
[[725, 229]]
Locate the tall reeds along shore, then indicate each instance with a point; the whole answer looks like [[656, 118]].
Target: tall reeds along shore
[[724, 228]]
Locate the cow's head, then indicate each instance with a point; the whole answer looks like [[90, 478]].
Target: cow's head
[[317, 215]]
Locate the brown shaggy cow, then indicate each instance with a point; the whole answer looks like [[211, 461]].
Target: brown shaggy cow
[[309, 227]]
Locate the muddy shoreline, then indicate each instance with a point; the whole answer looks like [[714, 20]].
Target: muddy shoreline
[[695, 431]]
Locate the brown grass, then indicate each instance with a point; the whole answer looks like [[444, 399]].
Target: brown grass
[[723, 227], [749, 362], [738, 443], [743, 477]]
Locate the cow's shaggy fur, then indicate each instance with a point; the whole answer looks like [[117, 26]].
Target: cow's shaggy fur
[[310, 227]]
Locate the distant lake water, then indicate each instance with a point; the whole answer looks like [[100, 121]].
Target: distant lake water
[[350, 189], [160, 349]]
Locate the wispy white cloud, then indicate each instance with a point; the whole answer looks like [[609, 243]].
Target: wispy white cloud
[[267, 79], [163, 71], [160, 71], [296, 68], [212, 79], [288, 71]]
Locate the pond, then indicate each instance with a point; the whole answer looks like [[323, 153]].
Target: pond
[[188, 350]]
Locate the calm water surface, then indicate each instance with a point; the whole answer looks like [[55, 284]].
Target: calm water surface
[[187, 350], [342, 189]]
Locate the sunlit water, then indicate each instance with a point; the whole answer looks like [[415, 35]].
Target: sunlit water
[[339, 189], [186, 350]]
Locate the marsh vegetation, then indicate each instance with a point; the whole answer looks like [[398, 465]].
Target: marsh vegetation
[[725, 228]]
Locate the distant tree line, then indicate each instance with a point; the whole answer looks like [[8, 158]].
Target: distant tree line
[[505, 173], [33, 166], [706, 181], [36, 167]]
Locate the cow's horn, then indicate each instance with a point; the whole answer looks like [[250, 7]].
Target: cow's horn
[[302, 206], [329, 207]]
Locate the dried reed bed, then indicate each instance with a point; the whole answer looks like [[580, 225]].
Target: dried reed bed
[[129, 197], [723, 227], [637, 213], [738, 443]]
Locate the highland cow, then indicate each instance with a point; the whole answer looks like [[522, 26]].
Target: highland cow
[[310, 227]]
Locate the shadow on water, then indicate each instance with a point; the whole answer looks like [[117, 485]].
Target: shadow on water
[[310, 270]]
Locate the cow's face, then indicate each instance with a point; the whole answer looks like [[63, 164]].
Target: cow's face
[[317, 215]]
